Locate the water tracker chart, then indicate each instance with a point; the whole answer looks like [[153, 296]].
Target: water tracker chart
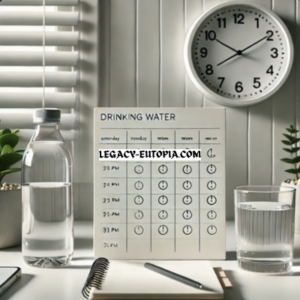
[[153, 209]]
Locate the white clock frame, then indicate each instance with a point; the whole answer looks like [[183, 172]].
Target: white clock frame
[[209, 93]]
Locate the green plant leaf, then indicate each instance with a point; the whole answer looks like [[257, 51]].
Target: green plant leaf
[[287, 142], [295, 149], [9, 159], [296, 160], [1, 168], [292, 171], [5, 131], [287, 160], [7, 149], [292, 130], [3, 173], [9, 139], [292, 139], [295, 140], [15, 131], [8, 171], [289, 137], [20, 151]]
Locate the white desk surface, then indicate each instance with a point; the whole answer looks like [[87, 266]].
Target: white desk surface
[[66, 283]]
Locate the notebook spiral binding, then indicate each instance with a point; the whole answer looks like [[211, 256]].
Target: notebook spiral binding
[[96, 276]]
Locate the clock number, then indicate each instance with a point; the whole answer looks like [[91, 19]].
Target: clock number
[[239, 18], [210, 35], [203, 52], [270, 33], [257, 22], [239, 87], [270, 70], [209, 70], [275, 52], [222, 80], [221, 21], [256, 82]]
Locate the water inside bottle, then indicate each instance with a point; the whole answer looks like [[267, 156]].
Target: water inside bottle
[[47, 223]]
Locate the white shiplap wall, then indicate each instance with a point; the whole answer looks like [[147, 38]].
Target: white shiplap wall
[[141, 64]]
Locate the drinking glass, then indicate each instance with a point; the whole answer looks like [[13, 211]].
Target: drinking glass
[[264, 225]]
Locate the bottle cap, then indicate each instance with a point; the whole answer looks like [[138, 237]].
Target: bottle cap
[[46, 115]]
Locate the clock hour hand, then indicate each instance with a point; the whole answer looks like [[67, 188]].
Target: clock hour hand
[[254, 44], [226, 46]]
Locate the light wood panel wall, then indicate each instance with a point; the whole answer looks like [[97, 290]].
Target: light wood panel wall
[[141, 64]]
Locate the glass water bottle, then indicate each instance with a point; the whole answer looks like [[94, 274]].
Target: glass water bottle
[[47, 194]]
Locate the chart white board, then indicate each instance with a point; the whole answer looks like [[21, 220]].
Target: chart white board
[[154, 209]]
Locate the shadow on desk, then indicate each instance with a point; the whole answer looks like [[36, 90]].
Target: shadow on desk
[[16, 286], [235, 292], [80, 263], [12, 249]]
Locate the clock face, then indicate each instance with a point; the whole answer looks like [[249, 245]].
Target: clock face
[[238, 54]]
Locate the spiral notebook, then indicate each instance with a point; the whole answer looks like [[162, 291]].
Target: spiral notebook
[[121, 279]]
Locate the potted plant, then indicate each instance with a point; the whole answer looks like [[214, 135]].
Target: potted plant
[[10, 194], [292, 142]]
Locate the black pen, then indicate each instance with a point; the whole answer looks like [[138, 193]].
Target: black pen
[[173, 275]]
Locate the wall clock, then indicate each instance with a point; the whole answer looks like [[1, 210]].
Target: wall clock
[[238, 53]]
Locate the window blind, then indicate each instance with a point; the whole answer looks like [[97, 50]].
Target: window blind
[[22, 58]]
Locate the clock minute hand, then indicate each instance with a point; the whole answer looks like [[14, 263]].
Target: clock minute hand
[[254, 44], [227, 46]]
